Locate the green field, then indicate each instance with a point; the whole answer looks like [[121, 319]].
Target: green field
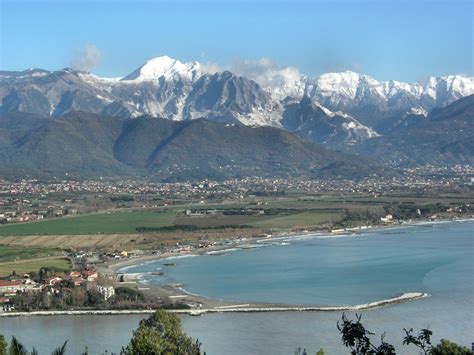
[[283, 221], [303, 219], [101, 223], [8, 252], [23, 266]]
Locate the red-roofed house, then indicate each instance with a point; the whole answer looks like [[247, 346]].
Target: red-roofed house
[[90, 275], [11, 287]]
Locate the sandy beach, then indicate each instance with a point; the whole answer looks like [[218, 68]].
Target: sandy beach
[[207, 305]]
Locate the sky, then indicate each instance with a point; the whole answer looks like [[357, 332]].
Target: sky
[[401, 40]]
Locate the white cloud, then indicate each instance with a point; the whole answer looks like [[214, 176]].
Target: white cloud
[[282, 80], [86, 58], [211, 68]]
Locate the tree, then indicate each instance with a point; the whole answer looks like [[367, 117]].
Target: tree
[[3, 345], [160, 334], [448, 347], [60, 350], [17, 348], [422, 340], [300, 351], [356, 337]]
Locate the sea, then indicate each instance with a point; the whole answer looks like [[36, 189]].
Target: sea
[[311, 269]]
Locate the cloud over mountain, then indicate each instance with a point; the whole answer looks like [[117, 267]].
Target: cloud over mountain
[[87, 58]]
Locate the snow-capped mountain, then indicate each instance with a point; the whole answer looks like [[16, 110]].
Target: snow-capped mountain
[[167, 68], [376, 103], [316, 122], [335, 108]]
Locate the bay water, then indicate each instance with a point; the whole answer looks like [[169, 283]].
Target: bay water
[[312, 269]]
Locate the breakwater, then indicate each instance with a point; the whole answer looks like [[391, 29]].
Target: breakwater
[[232, 308]]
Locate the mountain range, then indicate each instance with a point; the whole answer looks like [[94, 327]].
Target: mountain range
[[395, 123], [83, 145]]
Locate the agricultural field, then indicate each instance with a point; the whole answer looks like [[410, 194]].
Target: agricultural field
[[117, 230], [275, 221], [100, 223], [300, 220], [24, 266], [216, 221], [10, 252]]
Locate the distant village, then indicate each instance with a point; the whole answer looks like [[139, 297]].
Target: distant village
[[31, 200], [49, 284]]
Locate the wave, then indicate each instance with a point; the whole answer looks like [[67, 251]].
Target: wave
[[123, 269], [222, 251], [178, 257]]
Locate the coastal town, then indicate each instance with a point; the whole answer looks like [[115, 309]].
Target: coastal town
[[76, 236]]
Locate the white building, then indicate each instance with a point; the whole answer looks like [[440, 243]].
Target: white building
[[106, 291]]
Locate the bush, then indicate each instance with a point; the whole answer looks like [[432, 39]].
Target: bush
[[448, 347], [161, 334]]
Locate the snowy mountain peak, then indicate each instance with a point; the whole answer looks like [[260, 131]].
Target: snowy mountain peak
[[457, 85], [344, 83], [166, 67]]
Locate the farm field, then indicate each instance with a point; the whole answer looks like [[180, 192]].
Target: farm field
[[24, 266], [10, 252], [216, 221], [304, 219], [117, 230], [283, 221], [101, 223]]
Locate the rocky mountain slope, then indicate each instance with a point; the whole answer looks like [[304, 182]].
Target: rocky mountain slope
[[343, 108], [444, 137]]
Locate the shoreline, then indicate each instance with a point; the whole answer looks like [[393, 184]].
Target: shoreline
[[238, 308], [211, 305], [116, 266]]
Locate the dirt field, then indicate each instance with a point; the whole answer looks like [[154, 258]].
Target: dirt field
[[119, 242]]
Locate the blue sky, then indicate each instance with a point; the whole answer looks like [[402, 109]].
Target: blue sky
[[402, 40]]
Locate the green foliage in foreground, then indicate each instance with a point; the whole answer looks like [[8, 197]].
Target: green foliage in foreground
[[3, 345], [17, 348], [162, 334], [356, 337], [448, 347]]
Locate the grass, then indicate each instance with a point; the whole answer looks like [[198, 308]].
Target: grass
[[24, 266], [216, 221], [103, 223], [9, 252], [297, 220]]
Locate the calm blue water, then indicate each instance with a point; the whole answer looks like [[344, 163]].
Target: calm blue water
[[437, 259], [335, 271]]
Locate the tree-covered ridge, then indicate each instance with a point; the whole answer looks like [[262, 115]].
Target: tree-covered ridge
[[83, 145]]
